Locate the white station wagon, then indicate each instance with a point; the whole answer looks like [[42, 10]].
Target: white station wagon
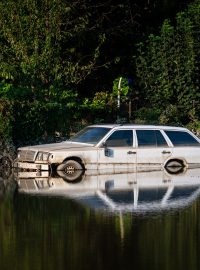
[[113, 147]]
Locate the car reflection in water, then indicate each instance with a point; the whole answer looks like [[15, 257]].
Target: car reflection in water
[[139, 191]]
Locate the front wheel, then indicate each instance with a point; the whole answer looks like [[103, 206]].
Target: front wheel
[[71, 170]]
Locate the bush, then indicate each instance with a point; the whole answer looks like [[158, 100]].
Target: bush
[[6, 117], [147, 116], [168, 64]]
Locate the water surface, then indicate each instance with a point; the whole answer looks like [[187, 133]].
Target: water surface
[[47, 223]]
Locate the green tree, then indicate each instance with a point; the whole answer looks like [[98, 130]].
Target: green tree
[[168, 64], [37, 41], [56, 42]]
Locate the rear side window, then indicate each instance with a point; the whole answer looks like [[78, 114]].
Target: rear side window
[[150, 138], [181, 138], [120, 138]]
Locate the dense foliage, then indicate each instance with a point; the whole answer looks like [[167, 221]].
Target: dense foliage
[[168, 67], [62, 61]]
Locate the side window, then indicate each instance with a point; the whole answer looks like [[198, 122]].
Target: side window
[[179, 138], [120, 138], [146, 138], [150, 138], [160, 139]]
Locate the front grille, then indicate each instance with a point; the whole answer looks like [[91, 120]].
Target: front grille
[[26, 155]]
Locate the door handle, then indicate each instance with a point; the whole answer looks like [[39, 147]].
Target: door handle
[[166, 152], [131, 153]]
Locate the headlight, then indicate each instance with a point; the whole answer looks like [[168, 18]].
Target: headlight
[[42, 156], [19, 154]]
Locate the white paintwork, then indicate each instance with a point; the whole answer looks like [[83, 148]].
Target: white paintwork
[[153, 156], [93, 156]]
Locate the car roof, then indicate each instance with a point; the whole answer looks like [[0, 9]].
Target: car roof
[[125, 126]]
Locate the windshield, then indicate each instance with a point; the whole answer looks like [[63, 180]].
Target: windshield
[[90, 135]]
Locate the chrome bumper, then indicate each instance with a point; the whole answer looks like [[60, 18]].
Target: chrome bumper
[[30, 175], [31, 166]]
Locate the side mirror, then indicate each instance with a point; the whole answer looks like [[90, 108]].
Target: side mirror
[[104, 145], [107, 152]]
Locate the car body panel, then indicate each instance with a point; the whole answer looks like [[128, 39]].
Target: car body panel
[[117, 156]]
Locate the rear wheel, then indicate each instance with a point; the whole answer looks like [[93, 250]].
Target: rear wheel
[[175, 166], [175, 163]]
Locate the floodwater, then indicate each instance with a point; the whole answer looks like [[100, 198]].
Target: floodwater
[[135, 220]]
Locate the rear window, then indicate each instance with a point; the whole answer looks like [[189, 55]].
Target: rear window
[[181, 138]]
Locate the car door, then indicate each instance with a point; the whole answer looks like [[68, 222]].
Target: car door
[[153, 148], [118, 150]]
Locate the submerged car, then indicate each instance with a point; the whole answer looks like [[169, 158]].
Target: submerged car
[[113, 147]]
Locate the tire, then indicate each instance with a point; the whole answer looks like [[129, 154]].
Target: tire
[[75, 177], [70, 170], [175, 170], [174, 163]]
